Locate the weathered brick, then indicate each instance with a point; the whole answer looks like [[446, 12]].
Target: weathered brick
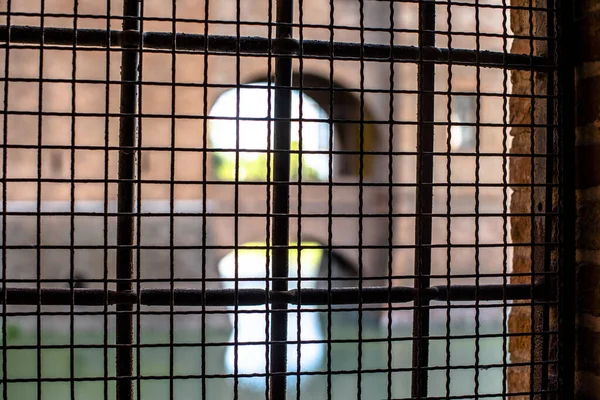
[[583, 6], [588, 26], [522, 111], [588, 360], [589, 134], [519, 19], [521, 264], [520, 167], [520, 46], [521, 79], [518, 381], [521, 200], [588, 172], [588, 289], [520, 230], [587, 385], [588, 227], [588, 101], [519, 321], [520, 226], [587, 165]]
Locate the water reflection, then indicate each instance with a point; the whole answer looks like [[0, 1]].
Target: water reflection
[[248, 356], [202, 359]]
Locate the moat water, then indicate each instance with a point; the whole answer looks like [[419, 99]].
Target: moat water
[[384, 364]]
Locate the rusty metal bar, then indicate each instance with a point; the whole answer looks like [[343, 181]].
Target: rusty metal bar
[[566, 32], [126, 194], [283, 47], [281, 206], [549, 348], [249, 297], [424, 203]]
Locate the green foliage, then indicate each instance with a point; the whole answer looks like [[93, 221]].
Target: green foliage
[[13, 332], [253, 166], [89, 362]]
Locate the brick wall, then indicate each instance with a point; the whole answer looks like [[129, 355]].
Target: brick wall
[[588, 195], [588, 199], [524, 170]]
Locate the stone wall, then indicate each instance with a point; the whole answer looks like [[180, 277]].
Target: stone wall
[[588, 195], [588, 198], [189, 105], [587, 137], [525, 170]]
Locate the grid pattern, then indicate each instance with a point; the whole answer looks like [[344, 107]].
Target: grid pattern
[[284, 199]]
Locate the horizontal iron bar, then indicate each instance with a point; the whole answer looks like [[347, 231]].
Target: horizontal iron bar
[[274, 46], [253, 297]]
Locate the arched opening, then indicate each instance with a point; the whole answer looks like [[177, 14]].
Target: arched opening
[[354, 122], [241, 135]]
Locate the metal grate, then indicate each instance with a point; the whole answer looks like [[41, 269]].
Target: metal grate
[[285, 199]]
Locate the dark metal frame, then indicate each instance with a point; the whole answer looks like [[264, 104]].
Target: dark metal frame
[[283, 47], [566, 288]]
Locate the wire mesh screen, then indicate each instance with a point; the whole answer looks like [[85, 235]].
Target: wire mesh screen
[[280, 199]]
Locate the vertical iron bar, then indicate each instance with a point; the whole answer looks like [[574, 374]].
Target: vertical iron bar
[[172, 178], [138, 221], [38, 208], [330, 182], [105, 219], [125, 219], [566, 271], [361, 170], [477, 196], [539, 176], [236, 201], [550, 151], [205, 156], [268, 198], [72, 205], [449, 202], [299, 205], [424, 201], [281, 194], [390, 255], [505, 223], [4, 202], [537, 253]]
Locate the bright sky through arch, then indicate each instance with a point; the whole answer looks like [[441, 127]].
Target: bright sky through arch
[[254, 103]]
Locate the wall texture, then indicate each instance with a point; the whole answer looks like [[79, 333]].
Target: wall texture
[[528, 260], [187, 100], [587, 110], [588, 198]]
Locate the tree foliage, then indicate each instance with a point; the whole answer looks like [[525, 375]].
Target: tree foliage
[[253, 165]]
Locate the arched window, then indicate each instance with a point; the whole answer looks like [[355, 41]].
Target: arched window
[[245, 141]]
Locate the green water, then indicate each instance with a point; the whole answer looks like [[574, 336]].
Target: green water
[[88, 366]]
